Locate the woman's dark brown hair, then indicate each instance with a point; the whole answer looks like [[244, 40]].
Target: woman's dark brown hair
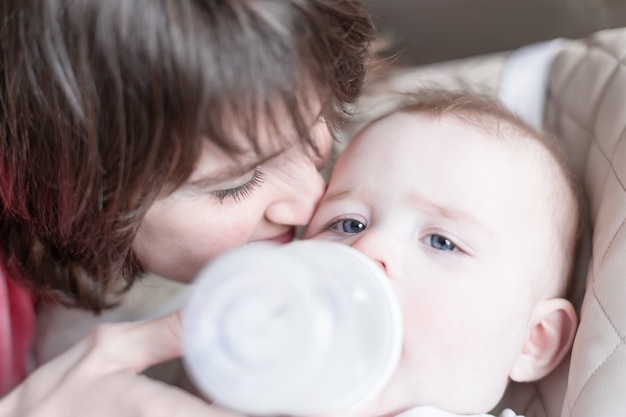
[[104, 105]]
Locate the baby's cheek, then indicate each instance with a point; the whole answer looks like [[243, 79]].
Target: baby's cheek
[[431, 324], [419, 324]]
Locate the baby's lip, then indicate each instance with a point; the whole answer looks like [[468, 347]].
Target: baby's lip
[[283, 238]]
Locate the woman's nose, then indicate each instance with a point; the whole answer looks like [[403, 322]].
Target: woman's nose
[[298, 198]]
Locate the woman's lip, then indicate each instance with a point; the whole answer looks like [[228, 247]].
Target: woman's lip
[[284, 238]]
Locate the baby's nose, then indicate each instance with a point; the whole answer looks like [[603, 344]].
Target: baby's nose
[[378, 249], [381, 264]]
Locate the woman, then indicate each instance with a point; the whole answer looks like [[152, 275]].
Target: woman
[[151, 136]]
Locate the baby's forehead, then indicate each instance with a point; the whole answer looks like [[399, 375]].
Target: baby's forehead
[[517, 157]]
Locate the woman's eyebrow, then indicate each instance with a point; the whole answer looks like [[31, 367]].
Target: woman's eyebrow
[[213, 178], [339, 195]]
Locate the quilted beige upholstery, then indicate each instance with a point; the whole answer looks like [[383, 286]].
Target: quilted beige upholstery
[[586, 106]]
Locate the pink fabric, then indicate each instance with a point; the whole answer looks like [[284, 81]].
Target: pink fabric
[[17, 327]]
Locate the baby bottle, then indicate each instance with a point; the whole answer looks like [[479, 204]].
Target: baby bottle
[[305, 328]]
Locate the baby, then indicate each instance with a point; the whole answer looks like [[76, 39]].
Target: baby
[[474, 217]]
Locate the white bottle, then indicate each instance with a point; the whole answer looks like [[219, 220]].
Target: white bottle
[[306, 328]]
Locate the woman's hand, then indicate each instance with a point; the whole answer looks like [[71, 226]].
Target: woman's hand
[[100, 376]]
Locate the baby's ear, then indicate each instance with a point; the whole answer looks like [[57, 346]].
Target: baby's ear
[[550, 335]]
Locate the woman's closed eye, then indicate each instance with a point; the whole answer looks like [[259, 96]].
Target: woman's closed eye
[[241, 191]]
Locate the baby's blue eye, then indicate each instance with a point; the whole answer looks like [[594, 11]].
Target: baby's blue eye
[[350, 226], [442, 243]]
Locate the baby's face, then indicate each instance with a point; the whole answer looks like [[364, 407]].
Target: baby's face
[[458, 220]]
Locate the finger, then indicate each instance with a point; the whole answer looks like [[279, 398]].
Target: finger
[[135, 346], [168, 401]]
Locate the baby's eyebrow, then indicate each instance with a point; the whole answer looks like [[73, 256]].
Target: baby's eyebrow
[[421, 203]]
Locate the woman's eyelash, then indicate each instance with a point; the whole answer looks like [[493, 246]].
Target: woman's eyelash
[[243, 191]]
